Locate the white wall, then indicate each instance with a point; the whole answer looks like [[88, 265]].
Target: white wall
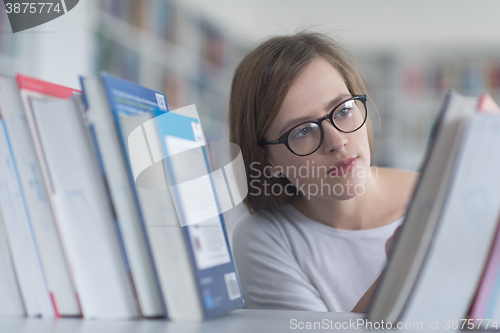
[[364, 23], [60, 50]]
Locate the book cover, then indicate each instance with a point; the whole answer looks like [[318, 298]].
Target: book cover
[[84, 211], [53, 253], [460, 246], [193, 191], [418, 250]]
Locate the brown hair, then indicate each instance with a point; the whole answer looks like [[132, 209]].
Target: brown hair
[[259, 86]]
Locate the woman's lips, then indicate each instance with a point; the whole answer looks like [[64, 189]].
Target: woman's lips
[[343, 167]]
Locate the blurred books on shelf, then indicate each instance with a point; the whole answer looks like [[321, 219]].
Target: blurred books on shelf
[[107, 247], [159, 44], [407, 86], [439, 254]]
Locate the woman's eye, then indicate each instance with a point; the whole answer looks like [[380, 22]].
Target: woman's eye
[[304, 131], [301, 132], [343, 113]]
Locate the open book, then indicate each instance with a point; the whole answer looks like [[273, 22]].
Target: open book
[[440, 252]]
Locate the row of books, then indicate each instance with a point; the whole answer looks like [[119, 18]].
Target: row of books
[[445, 263], [465, 76], [88, 226], [157, 16]]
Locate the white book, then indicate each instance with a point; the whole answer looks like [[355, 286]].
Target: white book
[[85, 215], [11, 302], [454, 263], [423, 214], [129, 217], [23, 202], [54, 256], [420, 233]]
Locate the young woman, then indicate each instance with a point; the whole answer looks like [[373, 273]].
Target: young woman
[[321, 214]]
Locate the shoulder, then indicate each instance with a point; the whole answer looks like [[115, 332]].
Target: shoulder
[[397, 187], [261, 227], [269, 232], [270, 275]]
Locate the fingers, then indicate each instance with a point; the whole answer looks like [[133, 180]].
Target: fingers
[[390, 240]]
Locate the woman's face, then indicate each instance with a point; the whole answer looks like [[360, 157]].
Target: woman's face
[[314, 94]]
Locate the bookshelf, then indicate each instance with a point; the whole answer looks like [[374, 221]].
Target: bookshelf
[[161, 45], [408, 86], [8, 46], [192, 61], [245, 320]]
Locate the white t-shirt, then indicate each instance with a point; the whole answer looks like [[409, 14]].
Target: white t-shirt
[[288, 261]]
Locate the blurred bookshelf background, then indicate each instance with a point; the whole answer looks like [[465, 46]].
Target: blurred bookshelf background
[[162, 46], [189, 50]]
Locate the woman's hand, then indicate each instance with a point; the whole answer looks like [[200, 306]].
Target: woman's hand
[[388, 244]]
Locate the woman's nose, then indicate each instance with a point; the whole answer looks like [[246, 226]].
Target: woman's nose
[[333, 139]]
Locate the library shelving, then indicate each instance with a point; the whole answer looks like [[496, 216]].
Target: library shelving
[[165, 47], [8, 46], [243, 320], [408, 86]]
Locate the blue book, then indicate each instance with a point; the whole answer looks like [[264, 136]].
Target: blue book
[[194, 264], [129, 217]]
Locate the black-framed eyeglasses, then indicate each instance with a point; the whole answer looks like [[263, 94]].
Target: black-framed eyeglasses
[[305, 138]]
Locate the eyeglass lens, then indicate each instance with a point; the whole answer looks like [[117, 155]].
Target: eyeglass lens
[[307, 137]]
